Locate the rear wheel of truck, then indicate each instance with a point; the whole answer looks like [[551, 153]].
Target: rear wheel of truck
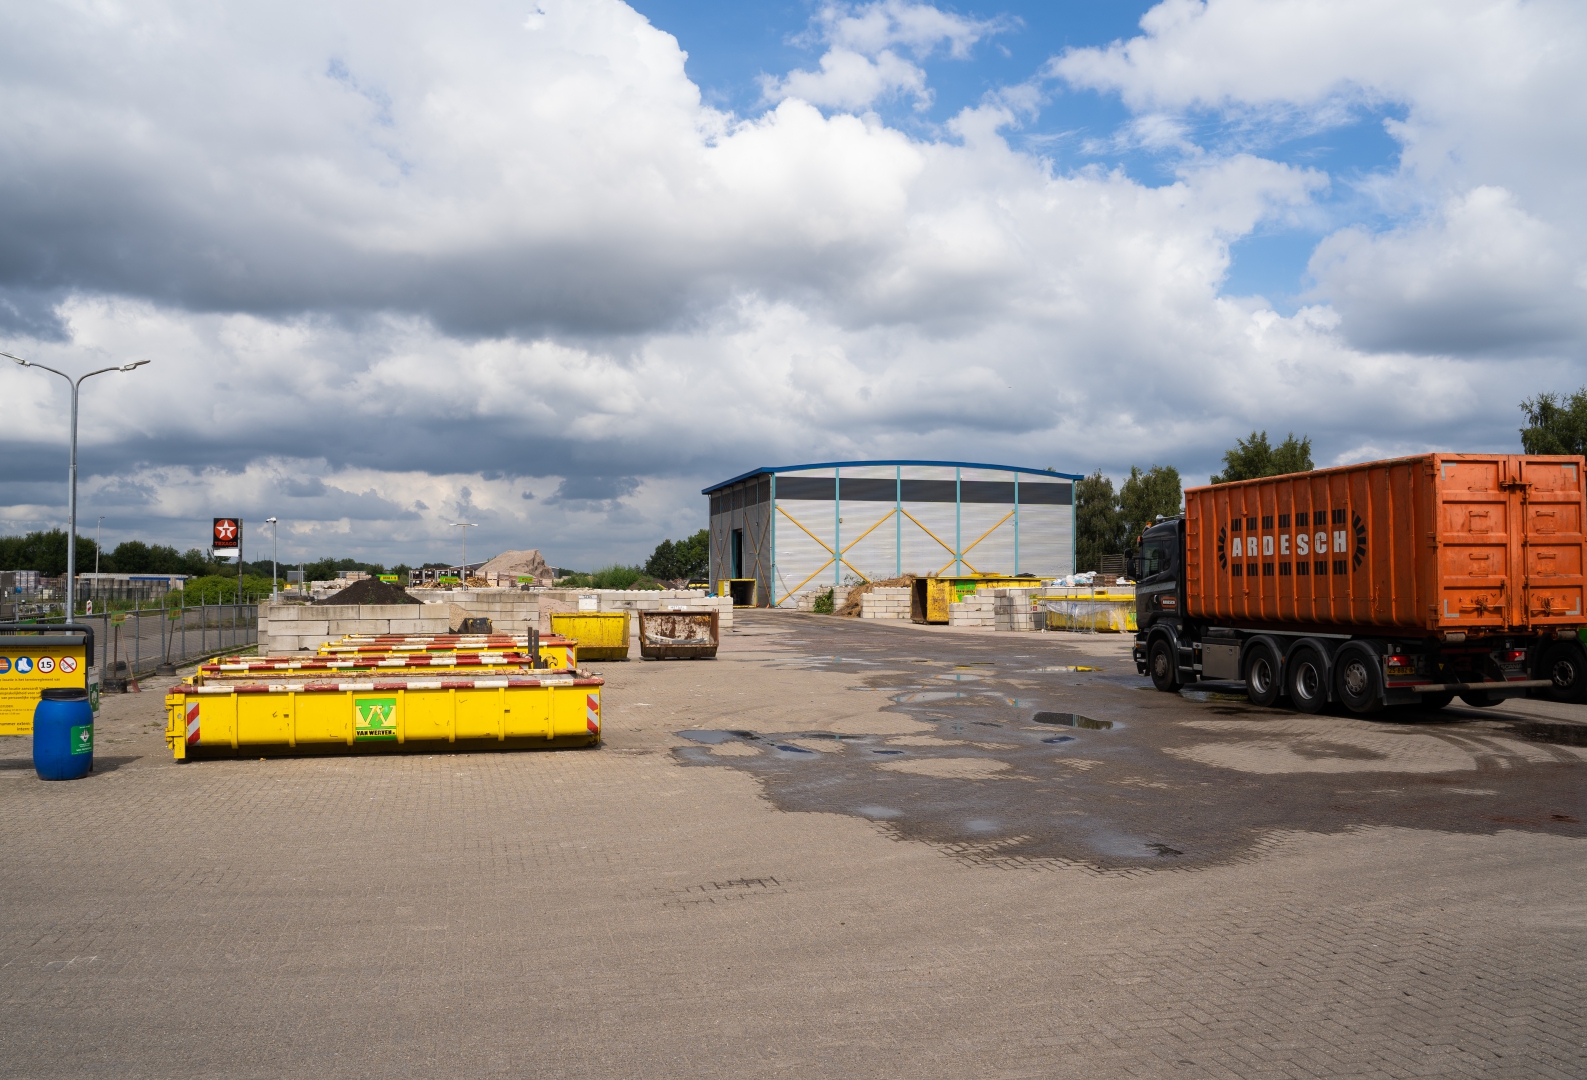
[[1358, 684], [1437, 701], [1262, 684], [1565, 665], [1164, 669], [1480, 699], [1308, 680]]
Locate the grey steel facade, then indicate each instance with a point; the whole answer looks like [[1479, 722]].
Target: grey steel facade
[[800, 526]]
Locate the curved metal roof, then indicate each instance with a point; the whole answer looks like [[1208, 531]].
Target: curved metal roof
[[845, 464]]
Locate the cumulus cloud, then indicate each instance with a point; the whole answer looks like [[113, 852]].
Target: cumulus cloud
[[1486, 243], [396, 264], [863, 64]]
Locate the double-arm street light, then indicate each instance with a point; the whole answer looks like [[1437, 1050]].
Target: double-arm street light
[[71, 482], [465, 526]]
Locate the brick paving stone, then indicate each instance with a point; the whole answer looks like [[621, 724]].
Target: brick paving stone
[[652, 909]]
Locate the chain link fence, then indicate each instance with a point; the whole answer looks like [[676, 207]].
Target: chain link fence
[[133, 643]]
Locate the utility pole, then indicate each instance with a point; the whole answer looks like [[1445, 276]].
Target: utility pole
[[465, 526]]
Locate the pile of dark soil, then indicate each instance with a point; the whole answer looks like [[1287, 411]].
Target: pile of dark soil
[[370, 591]]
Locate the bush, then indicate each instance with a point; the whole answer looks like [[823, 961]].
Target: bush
[[215, 589], [610, 577], [823, 604]]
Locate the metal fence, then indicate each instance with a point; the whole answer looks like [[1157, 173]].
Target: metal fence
[[143, 639]]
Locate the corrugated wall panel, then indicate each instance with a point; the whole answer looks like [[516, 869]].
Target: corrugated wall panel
[[799, 554], [876, 555], [1046, 540]]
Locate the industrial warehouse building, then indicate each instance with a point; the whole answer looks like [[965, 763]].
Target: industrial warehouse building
[[801, 526]]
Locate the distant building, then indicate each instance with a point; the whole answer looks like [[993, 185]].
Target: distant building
[[794, 527]]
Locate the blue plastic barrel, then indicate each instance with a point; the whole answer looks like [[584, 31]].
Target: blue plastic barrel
[[63, 734]]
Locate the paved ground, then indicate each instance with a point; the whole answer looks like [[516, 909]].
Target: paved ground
[[864, 855]]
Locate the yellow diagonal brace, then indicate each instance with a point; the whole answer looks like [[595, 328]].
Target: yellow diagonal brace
[[950, 562], [807, 580], [928, 532], [808, 533], [825, 547], [989, 532]]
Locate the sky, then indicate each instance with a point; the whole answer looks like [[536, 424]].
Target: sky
[[552, 268]]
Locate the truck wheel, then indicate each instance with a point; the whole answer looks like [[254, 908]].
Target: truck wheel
[[1566, 665], [1163, 667], [1480, 699], [1437, 701], [1262, 684], [1358, 684], [1307, 676]]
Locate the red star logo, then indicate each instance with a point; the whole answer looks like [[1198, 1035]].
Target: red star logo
[[225, 530]]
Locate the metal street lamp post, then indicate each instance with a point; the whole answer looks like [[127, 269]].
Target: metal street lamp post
[[465, 526], [71, 484], [275, 549], [98, 532]]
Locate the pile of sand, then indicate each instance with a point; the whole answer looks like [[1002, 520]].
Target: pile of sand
[[529, 563], [851, 606], [370, 591]]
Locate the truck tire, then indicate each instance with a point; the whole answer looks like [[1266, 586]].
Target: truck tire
[[1162, 665], [1307, 677], [1437, 701], [1566, 665], [1480, 699], [1358, 683], [1262, 677]]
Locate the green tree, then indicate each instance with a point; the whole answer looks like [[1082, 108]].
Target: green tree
[[1098, 528], [1254, 458], [1147, 495], [681, 559], [1555, 425], [45, 552]]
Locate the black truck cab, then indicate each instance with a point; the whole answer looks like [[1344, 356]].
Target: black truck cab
[[1160, 575]]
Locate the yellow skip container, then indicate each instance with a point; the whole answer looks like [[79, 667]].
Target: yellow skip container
[[597, 635], [383, 715]]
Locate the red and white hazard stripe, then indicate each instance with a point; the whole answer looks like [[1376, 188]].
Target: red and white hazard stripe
[[592, 713], [192, 723]]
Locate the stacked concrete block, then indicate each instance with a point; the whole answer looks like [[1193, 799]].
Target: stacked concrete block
[[977, 609], [289, 628], [1014, 608], [806, 601], [889, 603]]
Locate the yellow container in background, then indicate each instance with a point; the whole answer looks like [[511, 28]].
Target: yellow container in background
[[597, 635]]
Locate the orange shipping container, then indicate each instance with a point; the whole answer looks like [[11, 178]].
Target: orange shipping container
[[1429, 545]]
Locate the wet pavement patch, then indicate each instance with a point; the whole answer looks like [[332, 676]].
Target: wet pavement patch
[[1158, 785], [1563, 734], [1069, 719]]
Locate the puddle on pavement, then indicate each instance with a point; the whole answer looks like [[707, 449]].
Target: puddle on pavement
[[787, 749], [878, 813], [959, 676], [982, 825], [1060, 739], [1064, 667], [715, 738], [887, 751], [1211, 695], [1069, 719], [1563, 734], [933, 695]]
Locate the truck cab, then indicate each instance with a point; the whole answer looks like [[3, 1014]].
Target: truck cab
[[1160, 575]]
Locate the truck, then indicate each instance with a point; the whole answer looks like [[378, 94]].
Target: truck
[[1399, 582]]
